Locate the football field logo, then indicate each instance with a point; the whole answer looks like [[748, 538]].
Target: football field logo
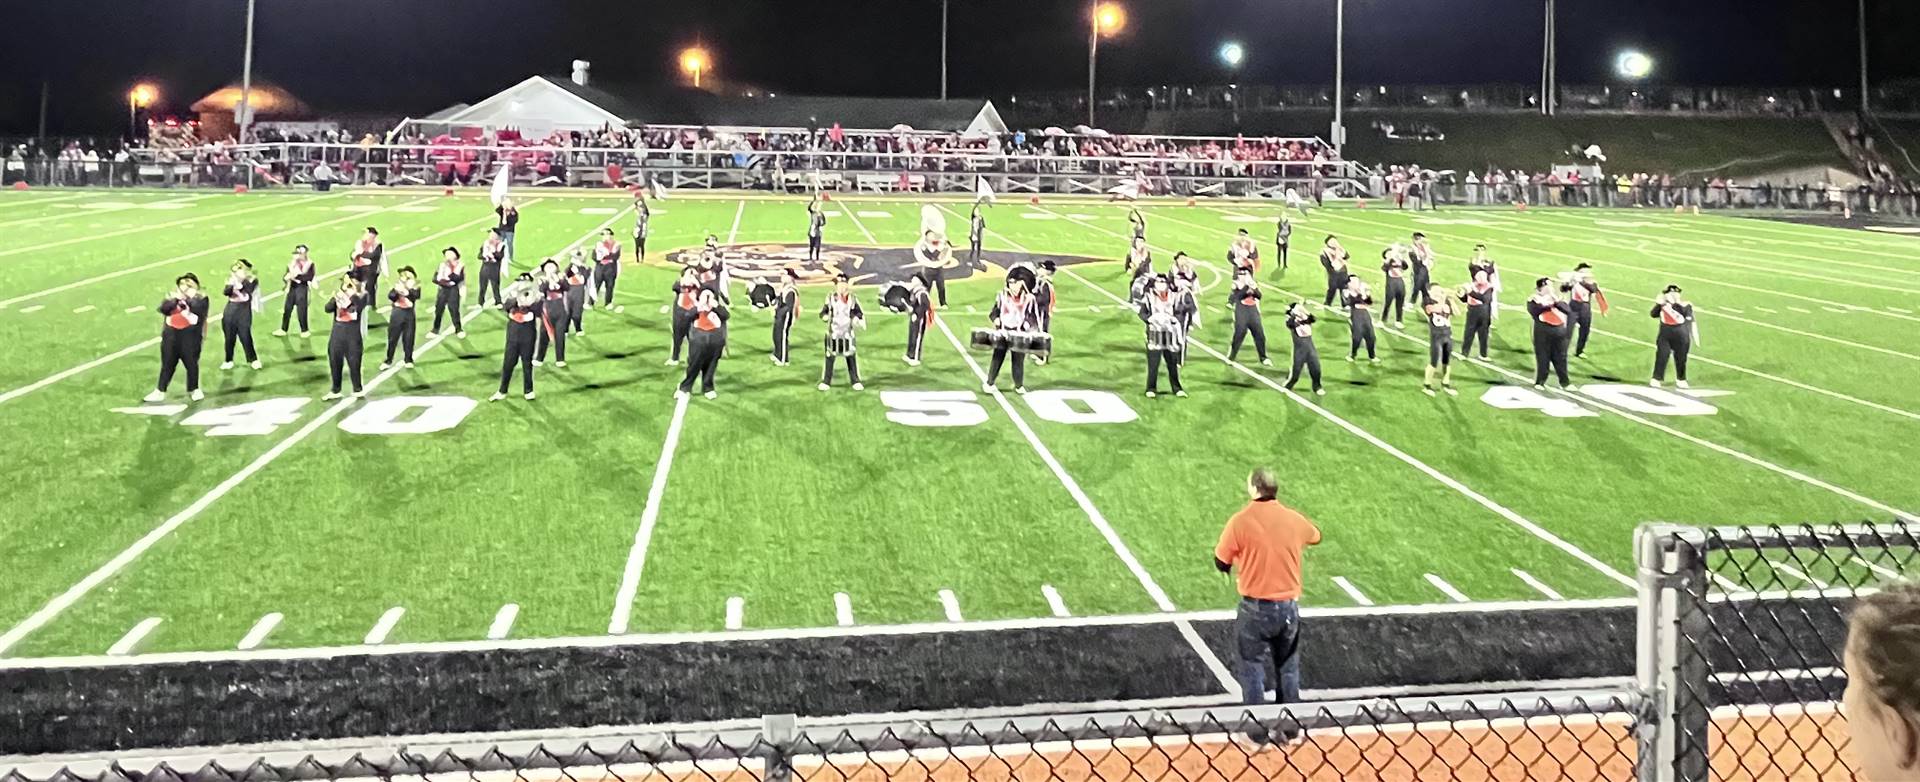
[[862, 265]]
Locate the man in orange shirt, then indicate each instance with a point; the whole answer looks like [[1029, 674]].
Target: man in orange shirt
[[1261, 546]]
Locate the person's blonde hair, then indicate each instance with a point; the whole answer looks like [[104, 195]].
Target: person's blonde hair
[[1884, 636]]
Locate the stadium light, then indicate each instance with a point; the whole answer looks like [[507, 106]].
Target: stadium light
[[1104, 20], [141, 96], [1232, 54], [1109, 18], [1633, 64], [695, 61]]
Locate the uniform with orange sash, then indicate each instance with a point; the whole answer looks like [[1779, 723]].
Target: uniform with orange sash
[[553, 319], [685, 299], [348, 339], [1675, 340], [1305, 355], [1583, 292], [182, 332], [578, 274], [369, 255], [1478, 297], [1395, 266], [523, 307], [299, 279], [606, 268], [448, 278], [402, 321], [707, 340], [1552, 319], [1245, 300]]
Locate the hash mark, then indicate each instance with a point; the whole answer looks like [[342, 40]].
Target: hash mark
[[261, 629], [736, 612], [124, 646], [503, 622], [82, 308], [33, 309], [133, 309], [1542, 588], [1447, 589], [378, 635], [843, 609], [1352, 591], [1053, 600], [951, 604], [1800, 574], [1882, 570]]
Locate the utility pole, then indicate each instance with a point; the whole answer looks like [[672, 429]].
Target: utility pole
[[1865, 104], [1339, 71], [45, 88], [241, 114], [943, 49]]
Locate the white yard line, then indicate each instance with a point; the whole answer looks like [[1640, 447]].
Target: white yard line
[[842, 609], [32, 201], [83, 308], [1799, 574], [86, 213], [853, 214], [503, 622], [1879, 570], [259, 632], [649, 518], [1733, 310], [160, 226], [134, 636], [384, 627], [1054, 603], [1901, 311], [1801, 310], [736, 612], [1447, 589], [738, 210], [1352, 591], [951, 605], [1538, 585]]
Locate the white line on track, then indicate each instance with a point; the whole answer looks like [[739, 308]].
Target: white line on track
[[1352, 591], [1538, 585], [1799, 574], [503, 622], [842, 609], [1878, 569], [152, 228], [83, 309], [134, 636], [1054, 603], [257, 635], [736, 612], [951, 605], [738, 210], [649, 518], [854, 215], [384, 627], [1447, 589], [33, 309]]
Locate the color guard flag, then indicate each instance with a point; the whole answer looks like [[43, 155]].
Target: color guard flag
[[500, 179], [982, 192]]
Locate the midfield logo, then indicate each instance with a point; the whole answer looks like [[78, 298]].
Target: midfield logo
[[863, 265]]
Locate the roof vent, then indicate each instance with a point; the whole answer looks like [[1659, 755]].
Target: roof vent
[[580, 72]]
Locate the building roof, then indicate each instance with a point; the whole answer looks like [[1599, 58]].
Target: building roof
[[556, 101], [263, 99]]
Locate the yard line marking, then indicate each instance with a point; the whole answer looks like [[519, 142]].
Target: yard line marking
[[88, 212], [16, 201], [378, 635], [133, 309], [1880, 570], [1733, 310], [1093, 308], [1799, 574], [649, 517], [738, 210], [151, 228], [951, 604], [971, 310], [1352, 591], [134, 636], [82, 308], [33, 309], [1538, 585], [1801, 310], [852, 214], [843, 609], [1901, 311], [1768, 310], [120, 561], [1447, 589], [736, 612], [1835, 309], [1058, 606], [261, 629], [503, 621]]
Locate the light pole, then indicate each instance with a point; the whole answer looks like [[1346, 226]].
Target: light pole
[[1104, 19], [140, 97], [1339, 71], [242, 115], [694, 61], [1864, 105], [1549, 65], [1232, 54], [943, 49]]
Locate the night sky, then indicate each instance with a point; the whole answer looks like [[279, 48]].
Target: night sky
[[417, 56]]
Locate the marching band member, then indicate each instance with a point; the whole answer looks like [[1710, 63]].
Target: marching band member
[[1676, 336], [1421, 259], [1305, 354], [1550, 332], [348, 340], [1139, 222], [976, 233], [1282, 236], [553, 314], [369, 256], [642, 228], [786, 303], [577, 274], [1044, 299], [816, 228], [236, 321], [1582, 294], [1245, 300], [708, 341], [713, 273], [933, 254], [1481, 263], [447, 279], [1139, 262], [509, 223], [686, 293], [1186, 285], [1333, 258], [401, 323], [1439, 311], [843, 316], [1013, 310], [606, 268], [1161, 310], [1357, 299], [1478, 296], [523, 307], [183, 328], [298, 280], [493, 256], [1393, 262], [919, 317], [1243, 252]]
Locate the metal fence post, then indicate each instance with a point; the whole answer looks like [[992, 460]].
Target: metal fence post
[[1670, 676], [778, 732]]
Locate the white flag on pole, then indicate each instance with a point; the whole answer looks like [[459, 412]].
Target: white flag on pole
[[659, 190], [500, 180], [981, 190]]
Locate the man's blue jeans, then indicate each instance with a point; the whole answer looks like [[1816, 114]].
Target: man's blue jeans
[[1263, 630]]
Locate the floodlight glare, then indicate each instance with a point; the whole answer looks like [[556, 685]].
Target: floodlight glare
[[1633, 65]]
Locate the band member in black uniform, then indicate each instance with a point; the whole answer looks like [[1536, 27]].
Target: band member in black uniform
[[1676, 336], [523, 307], [1186, 285], [1420, 258], [1478, 296], [1439, 312], [976, 233], [1334, 258], [1044, 299], [642, 228], [369, 255], [713, 275], [448, 278], [553, 314], [1305, 355], [1245, 300], [786, 304], [1393, 262], [1139, 222], [816, 229], [919, 317], [708, 340], [509, 222], [1481, 263], [686, 298], [577, 274], [843, 316], [1551, 317], [298, 281], [1162, 311], [402, 323], [1139, 263], [1243, 252], [183, 329], [606, 269], [1358, 301], [348, 308], [1014, 309], [934, 256], [1582, 293], [236, 321], [493, 256], [1282, 236]]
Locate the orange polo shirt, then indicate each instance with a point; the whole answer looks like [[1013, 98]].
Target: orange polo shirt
[[1263, 543]]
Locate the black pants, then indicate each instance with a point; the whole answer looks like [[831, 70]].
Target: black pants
[[1360, 329], [1334, 287], [519, 351], [180, 348], [1395, 305], [703, 358], [682, 323], [1583, 325], [782, 334], [853, 369], [1019, 366], [1245, 323], [916, 336], [1673, 342], [603, 282], [446, 303], [1280, 251], [1440, 348], [238, 327], [639, 247], [1154, 359], [973, 252], [489, 281], [813, 248], [343, 352], [400, 333], [552, 331], [937, 279], [373, 284], [1306, 356], [1478, 325], [296, 303], [577, 309], [1550, 352]]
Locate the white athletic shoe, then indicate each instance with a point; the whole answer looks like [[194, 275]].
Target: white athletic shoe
[[360, 393], [560, 364], [912, 362], [409, 365], [859, 387], [1654, 383], [679, 394], [1681, 384], [527, 396], [305, 334], [1451, 391], [197, 395], [538, 362], [384, 365], [460, 335], [1374, 360], [1021, 390], [711, 394], [1266, 362], [987, 387], [824, 387], [774, 359], [1319, 392], [620, 308], [672, 362], [155, 398], [1428, 390], [1151, 395], [330, 396], [1349, 359], [1181, 394], [226, 365], [279, 332], [496, 397], [1539, 387], [255, 364]]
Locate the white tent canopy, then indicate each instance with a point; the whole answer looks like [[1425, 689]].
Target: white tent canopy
[[536, 106]]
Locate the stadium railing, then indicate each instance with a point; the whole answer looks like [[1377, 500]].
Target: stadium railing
[[1738, 677]]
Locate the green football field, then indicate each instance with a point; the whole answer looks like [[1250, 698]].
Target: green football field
[[266, 518]]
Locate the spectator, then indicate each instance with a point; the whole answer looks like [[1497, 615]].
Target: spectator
[[1263, 543], [1883, 684], [322, 177]]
